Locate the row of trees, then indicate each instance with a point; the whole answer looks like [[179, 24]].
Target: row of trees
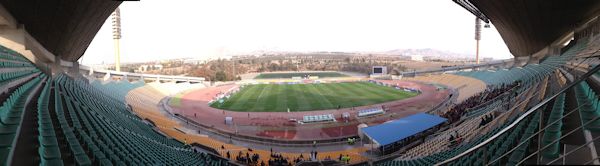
[[229, 70]]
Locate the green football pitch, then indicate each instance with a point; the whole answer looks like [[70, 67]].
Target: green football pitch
[[299, 74], [307, 97]]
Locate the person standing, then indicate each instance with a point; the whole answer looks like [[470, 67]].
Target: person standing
[[348, 160]]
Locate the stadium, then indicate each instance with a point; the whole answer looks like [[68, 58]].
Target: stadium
[[538, 107]]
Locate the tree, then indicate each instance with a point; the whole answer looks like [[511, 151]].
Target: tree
[[220, 76]]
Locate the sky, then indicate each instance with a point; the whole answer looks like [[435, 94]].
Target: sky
[[159, 29]]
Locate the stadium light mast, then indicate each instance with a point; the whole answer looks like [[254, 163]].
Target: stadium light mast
[[116, 27], [477, 38]]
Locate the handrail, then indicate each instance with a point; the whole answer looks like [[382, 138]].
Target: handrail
[[526, 114], [488, 124], [592, 160], [539, 131], [556, 141]]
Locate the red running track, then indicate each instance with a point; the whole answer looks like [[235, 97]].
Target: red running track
[[276, 125]]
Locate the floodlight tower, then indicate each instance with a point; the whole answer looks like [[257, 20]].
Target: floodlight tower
[[477, 38], [116, 27]]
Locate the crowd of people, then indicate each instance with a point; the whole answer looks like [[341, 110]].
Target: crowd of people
[[486, 119], [456, 112], [246, 159], [276, 159]]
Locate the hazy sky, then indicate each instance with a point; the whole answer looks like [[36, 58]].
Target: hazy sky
[[159, 29]]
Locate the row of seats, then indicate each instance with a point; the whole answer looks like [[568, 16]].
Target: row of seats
[[527, 73], [145, 102], [172, 88], [469, 130], [554, 130], [505, 142], [466, 86], [6, 78], [12, 56], [522, 147], [466, 129], [12, 64], [491, 152], [589, 110], [11, 117], [116, 89], [441, 141], [49, 150], [111, 134], [531, 74]]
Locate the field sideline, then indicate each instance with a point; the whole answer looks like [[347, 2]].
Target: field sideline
[[299, 74], [308, 97]]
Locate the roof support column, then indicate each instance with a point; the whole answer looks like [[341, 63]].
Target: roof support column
[[520, 61]]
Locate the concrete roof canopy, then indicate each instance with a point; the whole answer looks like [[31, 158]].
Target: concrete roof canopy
[[527, 26], [67, 27], [64, 27]]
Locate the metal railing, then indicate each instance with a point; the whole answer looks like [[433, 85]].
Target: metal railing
[[525, 115]]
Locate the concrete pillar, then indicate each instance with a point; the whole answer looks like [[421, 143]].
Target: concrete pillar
[[75, 71], [534, 60], [551, 50], [91, 72], [75, 68], [16, 38], [107, 76], [56, 67], [520, 61]]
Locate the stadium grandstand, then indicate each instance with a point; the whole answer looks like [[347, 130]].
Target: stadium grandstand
[[541, 107]]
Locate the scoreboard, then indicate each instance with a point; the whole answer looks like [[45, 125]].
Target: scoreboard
[[379, 70]]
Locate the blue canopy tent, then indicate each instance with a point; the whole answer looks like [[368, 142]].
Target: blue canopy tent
[[392, 135]]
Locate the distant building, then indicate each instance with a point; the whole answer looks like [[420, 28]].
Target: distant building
[[195, 61], [145, 68], [416, 57]]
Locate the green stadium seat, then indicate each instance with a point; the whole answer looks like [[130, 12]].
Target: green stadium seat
[[51, 152]]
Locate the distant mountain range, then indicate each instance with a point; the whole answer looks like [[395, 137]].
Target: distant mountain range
[[429, 52]]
